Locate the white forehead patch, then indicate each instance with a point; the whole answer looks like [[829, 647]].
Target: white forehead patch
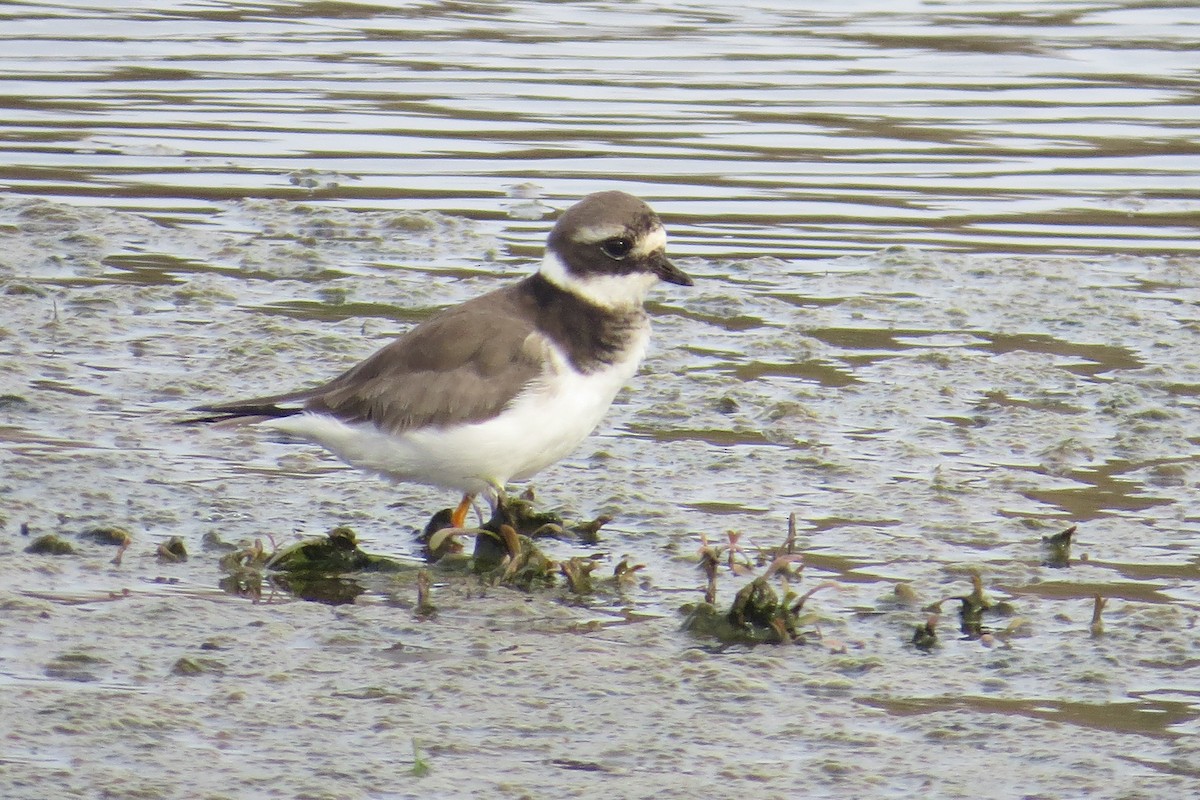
[[656, 239], [598, 233], [607, 291], [653, 241]]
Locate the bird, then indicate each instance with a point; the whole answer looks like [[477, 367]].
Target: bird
[[501, 386]]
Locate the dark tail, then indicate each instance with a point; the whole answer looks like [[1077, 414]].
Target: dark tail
[[238, 413], [255, 409]]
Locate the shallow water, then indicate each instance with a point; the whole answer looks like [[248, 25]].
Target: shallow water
[[945, 305]]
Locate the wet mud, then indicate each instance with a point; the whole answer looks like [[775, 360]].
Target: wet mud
[[986, 405]]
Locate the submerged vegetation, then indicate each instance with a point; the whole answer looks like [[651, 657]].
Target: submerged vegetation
[[770, 605], [759, 613], [331, 569]]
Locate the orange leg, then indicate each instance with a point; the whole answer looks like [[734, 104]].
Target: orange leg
[[459, 518]]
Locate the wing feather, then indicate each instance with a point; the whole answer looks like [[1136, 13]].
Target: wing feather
[[453, 369], [462, 365]]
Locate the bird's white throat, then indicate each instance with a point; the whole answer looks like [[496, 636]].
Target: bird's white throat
[[617, 292]]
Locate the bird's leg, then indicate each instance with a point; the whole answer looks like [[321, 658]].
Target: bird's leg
[[458, 518], [500, 511], [478, 512], [502, 505]]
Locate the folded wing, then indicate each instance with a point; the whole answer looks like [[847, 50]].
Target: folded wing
[[463, 365]]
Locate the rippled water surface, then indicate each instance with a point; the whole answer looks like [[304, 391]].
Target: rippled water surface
[[946, 305], [761, 128]]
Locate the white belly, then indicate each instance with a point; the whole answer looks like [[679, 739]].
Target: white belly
[[541, 427]]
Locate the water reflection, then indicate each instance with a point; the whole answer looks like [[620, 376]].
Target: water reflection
[[759, 129]]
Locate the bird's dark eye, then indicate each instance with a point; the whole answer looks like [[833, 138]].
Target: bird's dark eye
[[617, 247]]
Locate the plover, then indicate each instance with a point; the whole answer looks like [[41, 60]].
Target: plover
[[499, 387]]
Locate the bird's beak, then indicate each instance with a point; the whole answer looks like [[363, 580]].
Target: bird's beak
[[670, 273]]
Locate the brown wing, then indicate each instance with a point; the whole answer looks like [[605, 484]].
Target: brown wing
[[462, 365]]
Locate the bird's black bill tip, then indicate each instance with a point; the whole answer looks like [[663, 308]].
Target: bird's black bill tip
[[670, 273]]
